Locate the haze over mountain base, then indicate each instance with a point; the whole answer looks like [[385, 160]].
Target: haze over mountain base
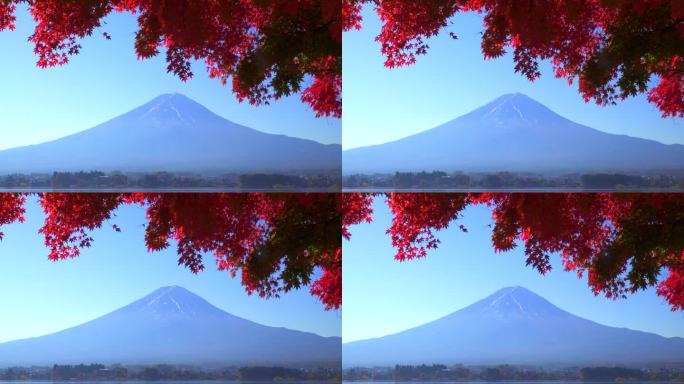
[[510, 181]]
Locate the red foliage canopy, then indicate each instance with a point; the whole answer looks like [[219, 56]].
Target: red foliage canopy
[[268, 47], [277, 242], [11, 209], [622, 242], [612, 47]]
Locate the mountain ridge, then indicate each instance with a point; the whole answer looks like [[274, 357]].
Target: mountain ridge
[[513, 133], [172, 133], [513, 326], [172, 325]]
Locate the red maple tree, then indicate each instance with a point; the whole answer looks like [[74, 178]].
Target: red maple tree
[[270, 48], [613, 48], [622, 242], [11, 209], [277, 242]]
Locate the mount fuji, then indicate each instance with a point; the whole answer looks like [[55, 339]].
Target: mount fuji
[[517, 134], [174, 326], [514, 326], [176, 134]]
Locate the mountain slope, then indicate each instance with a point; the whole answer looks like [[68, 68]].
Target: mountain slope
[[172, 325], [172, 133], [514, 133], [513, 326]]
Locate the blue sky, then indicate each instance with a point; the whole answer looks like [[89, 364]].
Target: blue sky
[[106, 80], [383, 104], [383, 296], [40, 296]]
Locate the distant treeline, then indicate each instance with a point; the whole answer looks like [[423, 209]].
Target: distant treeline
[[101, 372], [439, 372], [116, 180], [444, 180]]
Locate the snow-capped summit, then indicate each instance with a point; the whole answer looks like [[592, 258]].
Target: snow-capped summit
[[514, 107], [515, 302], [174, 301], [173, 106]]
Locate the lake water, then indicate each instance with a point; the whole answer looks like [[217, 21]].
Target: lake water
[[169, 189], [501, 382], [161, 381], [514, 190]]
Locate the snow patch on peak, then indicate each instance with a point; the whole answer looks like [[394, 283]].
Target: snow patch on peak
[[172, 300], [168, 289], [519, 113], [507, 108], [177, 305], [170, 107], [518, 303], [164, 109], [513, 301], [164, 293]]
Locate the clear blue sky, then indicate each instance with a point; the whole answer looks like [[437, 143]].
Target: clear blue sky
[[383, 104], [383, 296], [40, 296], [106, 80]]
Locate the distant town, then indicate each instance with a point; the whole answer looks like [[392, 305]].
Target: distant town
[[509, 180], [163, 180], [439, 372], [164, 372]]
